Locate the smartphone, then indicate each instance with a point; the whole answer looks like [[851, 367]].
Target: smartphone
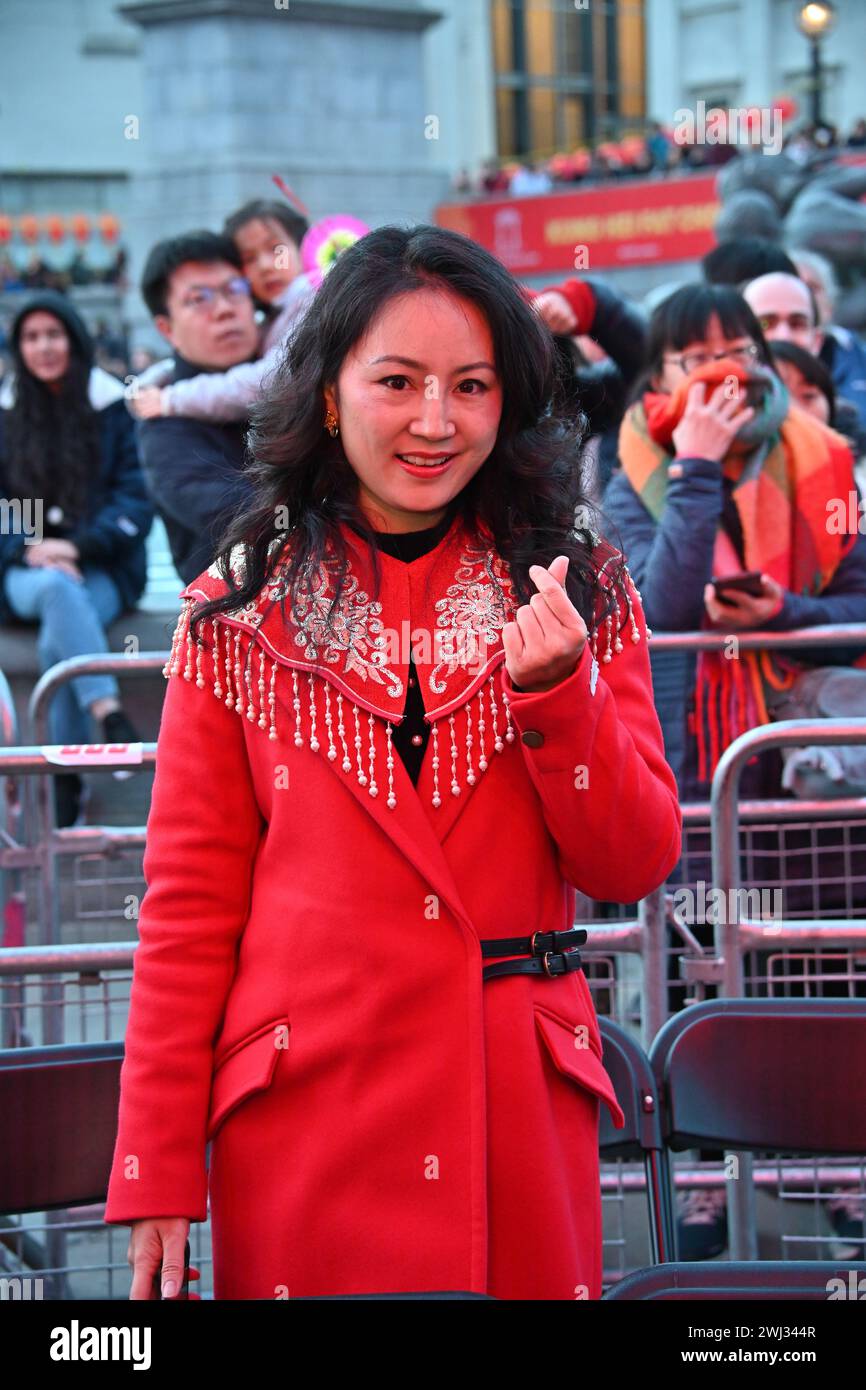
[[184, 1288], [747, 583]]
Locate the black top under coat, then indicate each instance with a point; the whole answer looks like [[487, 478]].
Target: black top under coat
[[407, 546]]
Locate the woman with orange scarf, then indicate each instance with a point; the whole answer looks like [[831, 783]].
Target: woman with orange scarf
[[720, 474]]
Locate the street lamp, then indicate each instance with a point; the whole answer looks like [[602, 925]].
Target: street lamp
[[815, 20]]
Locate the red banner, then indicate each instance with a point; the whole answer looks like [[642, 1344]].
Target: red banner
[[645, 222]]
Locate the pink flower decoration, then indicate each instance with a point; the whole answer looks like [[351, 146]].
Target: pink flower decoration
[[326, 240]]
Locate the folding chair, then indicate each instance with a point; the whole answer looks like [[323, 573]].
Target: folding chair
[[791, 1280], [628, 1067], [59, 1105], [778, 1075]]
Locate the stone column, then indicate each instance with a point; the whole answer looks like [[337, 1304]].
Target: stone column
[[327, 93]]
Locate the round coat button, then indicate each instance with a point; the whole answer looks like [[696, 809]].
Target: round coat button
[[532, 738]]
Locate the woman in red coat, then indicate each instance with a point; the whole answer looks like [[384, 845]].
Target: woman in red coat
[[411, 713]]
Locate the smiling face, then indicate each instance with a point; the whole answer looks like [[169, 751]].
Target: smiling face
[[418, 400], [270, 259], [44, 345]]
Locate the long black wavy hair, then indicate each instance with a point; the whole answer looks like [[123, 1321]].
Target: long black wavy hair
[[52, 448], [528, 492]]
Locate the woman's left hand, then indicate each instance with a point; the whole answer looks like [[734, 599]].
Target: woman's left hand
[[546, 639], [745, 611]]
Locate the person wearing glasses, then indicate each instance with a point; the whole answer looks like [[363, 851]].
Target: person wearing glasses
[[268, 236], [201, 303], [721, 474], [718, 475]]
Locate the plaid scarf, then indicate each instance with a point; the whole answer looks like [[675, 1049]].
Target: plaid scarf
[[781, 489]]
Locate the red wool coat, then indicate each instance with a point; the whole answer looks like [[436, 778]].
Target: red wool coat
[[308, 992]]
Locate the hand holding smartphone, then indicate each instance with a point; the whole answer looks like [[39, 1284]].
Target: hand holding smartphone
[[749, 582]]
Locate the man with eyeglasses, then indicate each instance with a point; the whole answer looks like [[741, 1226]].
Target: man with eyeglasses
[[201, 304], [788, 311]]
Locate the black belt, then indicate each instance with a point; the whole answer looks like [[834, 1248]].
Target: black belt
[[550, 953]]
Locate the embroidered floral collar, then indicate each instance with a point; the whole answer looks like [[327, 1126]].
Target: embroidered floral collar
[[446, 608]]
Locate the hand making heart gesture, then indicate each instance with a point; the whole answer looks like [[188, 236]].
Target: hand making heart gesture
[[544, 642]]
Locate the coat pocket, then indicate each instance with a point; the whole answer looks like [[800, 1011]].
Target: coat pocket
[[247, 1068], [582, 1064]]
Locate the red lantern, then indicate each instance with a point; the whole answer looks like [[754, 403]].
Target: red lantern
[[55, 227], [80, 226], [28, 226], [109, 226], [5, 229], [787, 107]]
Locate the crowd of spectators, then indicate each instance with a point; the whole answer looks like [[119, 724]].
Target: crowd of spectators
[[225, 302], [37, 274], [658, 152]]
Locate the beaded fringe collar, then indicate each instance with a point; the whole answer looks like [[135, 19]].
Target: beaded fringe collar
[[255, 697]]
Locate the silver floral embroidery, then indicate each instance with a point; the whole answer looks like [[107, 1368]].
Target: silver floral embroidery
[[471, 617], [250, 612], [472, 614], [353, 636], [237, 568]]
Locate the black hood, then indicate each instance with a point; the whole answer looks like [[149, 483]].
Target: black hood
[[62, 308]]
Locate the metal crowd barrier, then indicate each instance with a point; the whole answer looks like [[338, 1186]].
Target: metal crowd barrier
[[8, 739], [109, 663], [735, 935], [44, 857], [8, 718], [793, 1181], [822, 635]]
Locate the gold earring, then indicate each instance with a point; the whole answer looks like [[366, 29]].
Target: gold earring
[[331, 425]]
